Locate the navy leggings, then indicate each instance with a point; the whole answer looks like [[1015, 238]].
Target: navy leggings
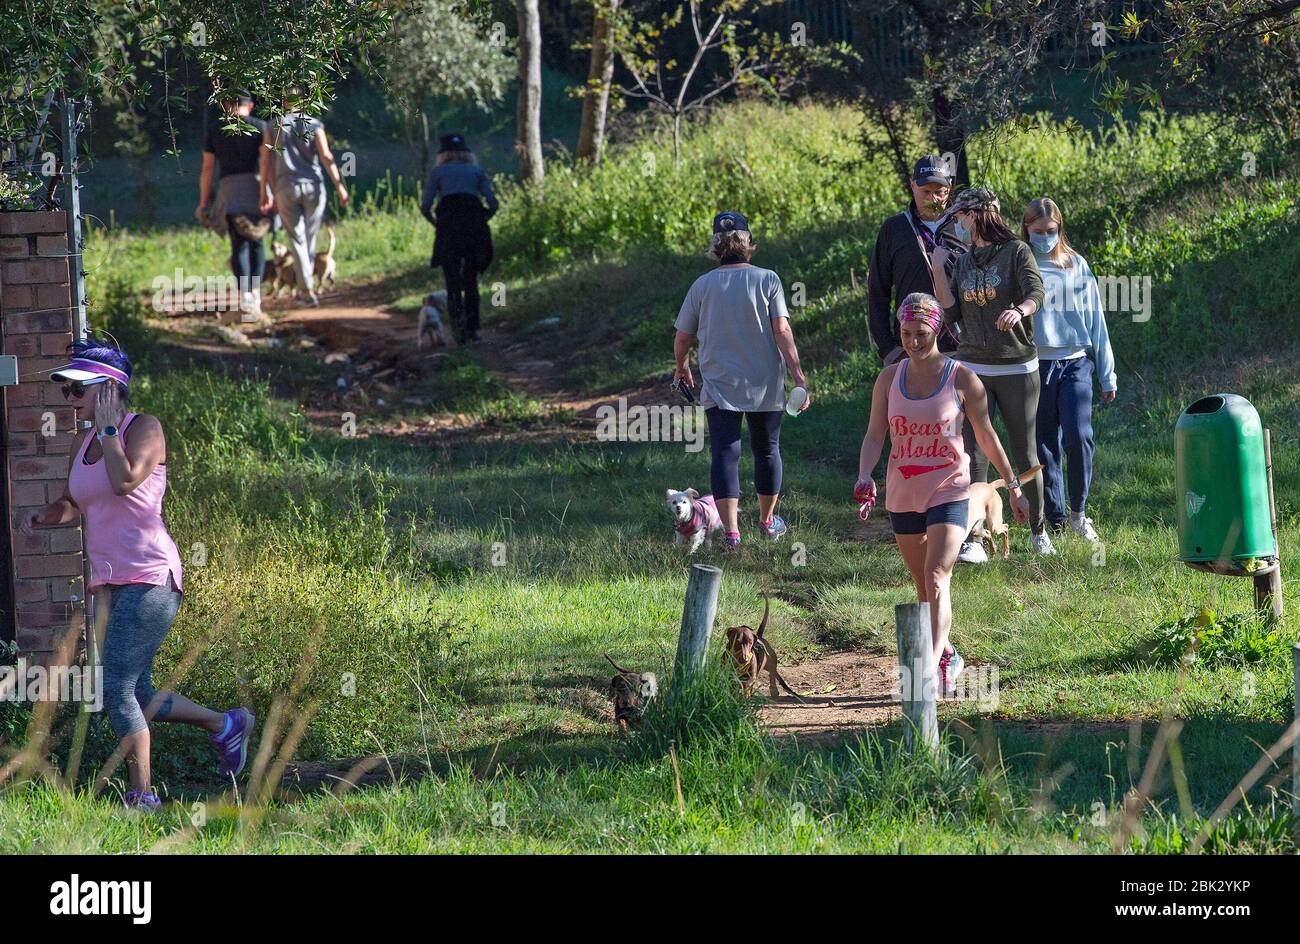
[[764, 441], [1065, 434], [247, 256]]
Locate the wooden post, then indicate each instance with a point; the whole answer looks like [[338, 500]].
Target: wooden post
[[918, 675], [1295, 745], [697, 618], [1268, 587]]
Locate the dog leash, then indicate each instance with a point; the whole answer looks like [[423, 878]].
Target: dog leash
[[864, 493]]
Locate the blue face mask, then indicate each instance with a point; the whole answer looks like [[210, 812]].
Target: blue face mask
[[960, 231], [1043, 242]]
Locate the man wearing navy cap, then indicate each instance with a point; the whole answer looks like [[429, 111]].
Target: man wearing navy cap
[[899, 263]]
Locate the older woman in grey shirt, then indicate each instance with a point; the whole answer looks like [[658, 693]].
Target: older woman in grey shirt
[[737, 312]]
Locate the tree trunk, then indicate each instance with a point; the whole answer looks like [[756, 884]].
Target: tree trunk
[[600, 76], [528, 118], [677, 143], [949, 134], [424, 142], [950, 137]]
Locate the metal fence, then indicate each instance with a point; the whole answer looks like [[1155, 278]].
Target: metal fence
[[884, 34]]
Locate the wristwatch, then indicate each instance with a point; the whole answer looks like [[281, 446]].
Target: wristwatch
[[109, 432], [1014, 483]]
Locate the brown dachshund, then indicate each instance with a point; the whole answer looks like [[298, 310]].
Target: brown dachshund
[[753, 655], [631, 692]]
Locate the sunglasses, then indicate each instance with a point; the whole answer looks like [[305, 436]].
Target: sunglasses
[[76, 390]]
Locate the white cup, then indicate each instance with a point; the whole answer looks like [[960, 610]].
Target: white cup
[[798, 396]]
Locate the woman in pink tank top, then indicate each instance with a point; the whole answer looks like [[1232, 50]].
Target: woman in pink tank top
[[920, 403], [116, 482]]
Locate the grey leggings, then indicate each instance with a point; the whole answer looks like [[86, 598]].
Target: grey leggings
[[1016, 397], [140, 617]]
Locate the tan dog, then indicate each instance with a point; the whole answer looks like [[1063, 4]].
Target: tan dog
[[631, 692], [986, 509], [278, 272], [325, 268], [753, 655]]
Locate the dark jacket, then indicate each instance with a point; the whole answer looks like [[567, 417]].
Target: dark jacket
[[899, 267], [461, 232], [986, 282]]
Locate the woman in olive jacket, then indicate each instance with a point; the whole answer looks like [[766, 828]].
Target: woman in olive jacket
[[991, 298]]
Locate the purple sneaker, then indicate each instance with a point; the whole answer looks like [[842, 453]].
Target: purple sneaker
[[146, 801], [775, 529], [234, 743]]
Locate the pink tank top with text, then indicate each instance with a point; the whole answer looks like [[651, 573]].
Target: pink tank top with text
[[928, 464], [126, 540]]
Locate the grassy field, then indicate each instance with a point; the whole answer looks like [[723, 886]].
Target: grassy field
[[447, 601]]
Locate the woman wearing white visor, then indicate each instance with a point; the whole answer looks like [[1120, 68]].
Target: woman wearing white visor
[[116, 481]]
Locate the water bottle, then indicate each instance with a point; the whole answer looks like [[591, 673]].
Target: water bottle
[[798, 396]]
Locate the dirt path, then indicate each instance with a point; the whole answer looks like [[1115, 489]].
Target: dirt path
[[354, 328], [843, 692], [377, 348]]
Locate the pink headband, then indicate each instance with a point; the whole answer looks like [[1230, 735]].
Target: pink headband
[[925, 311], [104, 370]]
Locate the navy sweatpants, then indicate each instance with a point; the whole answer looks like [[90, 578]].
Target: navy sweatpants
[[1064, 429]]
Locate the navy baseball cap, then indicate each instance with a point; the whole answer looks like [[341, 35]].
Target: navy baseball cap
[[730, 220], [451, 142], [931, 170]]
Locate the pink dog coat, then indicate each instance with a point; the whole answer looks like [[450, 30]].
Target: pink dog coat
[[704, 514]]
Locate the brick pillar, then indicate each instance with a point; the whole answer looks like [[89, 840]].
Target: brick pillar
[[48, 570]]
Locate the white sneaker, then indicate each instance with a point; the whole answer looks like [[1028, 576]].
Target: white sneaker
[[972, 552], [956, 666], [1082, 526], [1042, 544], [950, 666]]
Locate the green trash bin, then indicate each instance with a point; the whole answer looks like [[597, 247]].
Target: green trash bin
[[1223, 505]]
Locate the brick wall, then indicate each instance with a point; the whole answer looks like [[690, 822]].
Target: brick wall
[[36, 324]]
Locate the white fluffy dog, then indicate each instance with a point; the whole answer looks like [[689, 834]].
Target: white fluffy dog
[[694, 518], [431, 312]]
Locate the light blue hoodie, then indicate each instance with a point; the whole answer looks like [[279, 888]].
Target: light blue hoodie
[[1072, 319]]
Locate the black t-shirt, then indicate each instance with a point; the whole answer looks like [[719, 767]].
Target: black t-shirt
[[237, 151]]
